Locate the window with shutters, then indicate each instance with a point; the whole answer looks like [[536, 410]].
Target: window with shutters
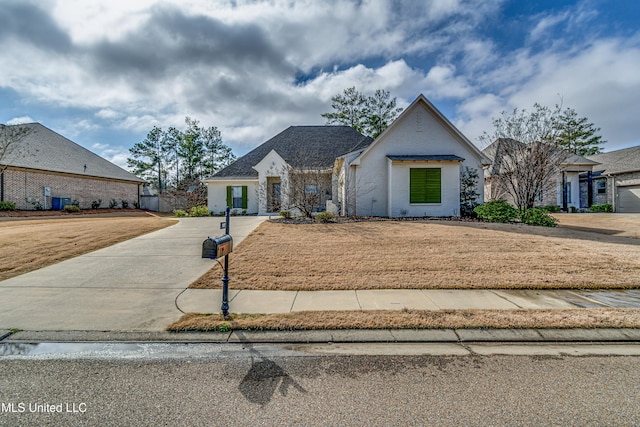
[[425, 185], [237, 197]]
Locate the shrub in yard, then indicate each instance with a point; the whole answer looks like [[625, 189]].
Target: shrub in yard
[[601, 208], [113, 203], [199, 211], [285, 214], [180, 213], [71, 208], [95, 204], [552, 208], [125, 204], [325, 217], [538, 216], [497, 211], [7, 206]]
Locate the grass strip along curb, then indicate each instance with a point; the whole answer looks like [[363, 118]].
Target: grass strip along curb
[[413, 319]]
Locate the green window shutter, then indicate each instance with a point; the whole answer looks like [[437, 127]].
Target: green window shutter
[[244, 197], [433, 186], [417, 185], [229, 196], [425, 185]]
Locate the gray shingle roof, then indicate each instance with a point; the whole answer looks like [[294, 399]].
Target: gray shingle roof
[[619, 161], [301, 147], [43, 149]]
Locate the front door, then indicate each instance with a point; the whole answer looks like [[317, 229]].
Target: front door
[[275, 197]]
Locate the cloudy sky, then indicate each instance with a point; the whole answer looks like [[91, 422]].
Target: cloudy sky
[[104, 72]]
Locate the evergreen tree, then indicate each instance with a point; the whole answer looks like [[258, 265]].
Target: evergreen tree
[[368, 115], [149, 158], [577, 135]]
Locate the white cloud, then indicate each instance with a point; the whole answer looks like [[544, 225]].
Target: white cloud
[[20, 120], [547, 22], [252, 68]]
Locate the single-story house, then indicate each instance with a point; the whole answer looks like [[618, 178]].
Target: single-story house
[[615, 180], [43, 169], [564, 191], [412, 169]]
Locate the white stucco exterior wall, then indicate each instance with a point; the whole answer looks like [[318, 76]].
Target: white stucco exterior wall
[[217, 194], [399, 190], [417, 132], [272, 165]]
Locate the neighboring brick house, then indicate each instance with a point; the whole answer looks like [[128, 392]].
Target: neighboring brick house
[[615, 180], [45, 169]]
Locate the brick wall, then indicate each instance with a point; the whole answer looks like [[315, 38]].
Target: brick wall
[[25, 187]]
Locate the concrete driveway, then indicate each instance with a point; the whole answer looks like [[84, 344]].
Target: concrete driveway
[[130, 286]]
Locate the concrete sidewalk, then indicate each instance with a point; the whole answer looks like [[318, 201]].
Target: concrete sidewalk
[[245, 301]]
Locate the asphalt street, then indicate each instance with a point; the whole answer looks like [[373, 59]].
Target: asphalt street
[[235, 385]]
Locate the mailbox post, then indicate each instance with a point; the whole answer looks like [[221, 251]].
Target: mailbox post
[[225, 278], [217, 247]]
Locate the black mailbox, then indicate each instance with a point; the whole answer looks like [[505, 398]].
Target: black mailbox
[[217, 247]]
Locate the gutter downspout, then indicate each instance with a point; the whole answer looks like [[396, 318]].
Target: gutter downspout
[[2, 186]]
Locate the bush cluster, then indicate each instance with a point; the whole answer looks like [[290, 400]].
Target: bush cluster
[[501, 211], [71, 208], [497, 211], [285, 214], [325, 217], [95, 204], [199, 211], [538, 216], [7, 206], [193, 212], [552, 208], [601, 208]]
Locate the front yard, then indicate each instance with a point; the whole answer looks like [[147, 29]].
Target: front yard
[[27, 244], [429, 255]]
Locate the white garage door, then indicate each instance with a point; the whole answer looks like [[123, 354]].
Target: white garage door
[[629, 199]]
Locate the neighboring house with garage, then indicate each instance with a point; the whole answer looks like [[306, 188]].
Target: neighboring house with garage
[[615, 180], [412, 169], [43, 169], [563, 191]]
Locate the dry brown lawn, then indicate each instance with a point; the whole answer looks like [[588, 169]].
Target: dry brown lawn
[[429, 255], [413, 319], [30, 244], [614, 224]]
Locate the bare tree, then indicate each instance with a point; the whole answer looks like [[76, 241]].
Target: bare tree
[[526, 160], [307, 189]]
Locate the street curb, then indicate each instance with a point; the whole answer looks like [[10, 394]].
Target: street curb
[[337, 336]]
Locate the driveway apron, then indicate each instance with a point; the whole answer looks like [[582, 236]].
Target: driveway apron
[[128, 286]]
